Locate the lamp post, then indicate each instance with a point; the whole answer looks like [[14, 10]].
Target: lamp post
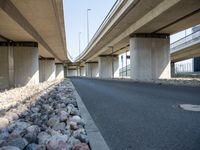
[[79, 41], [88, 32], [122, 65], [126, 65]]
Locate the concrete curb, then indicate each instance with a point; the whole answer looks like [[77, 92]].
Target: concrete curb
[[96, 140]]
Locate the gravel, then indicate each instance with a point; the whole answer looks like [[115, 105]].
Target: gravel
[[49, 120]]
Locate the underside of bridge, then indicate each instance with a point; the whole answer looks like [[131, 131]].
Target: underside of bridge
[[142, 27], [31, 35]]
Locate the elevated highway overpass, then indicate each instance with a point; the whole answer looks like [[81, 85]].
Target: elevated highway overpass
[[143, 27], [32, 41], [185, 48]]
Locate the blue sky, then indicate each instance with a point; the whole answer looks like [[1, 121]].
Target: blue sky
[[76, 20]]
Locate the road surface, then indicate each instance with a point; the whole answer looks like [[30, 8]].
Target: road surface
[[139, 116]]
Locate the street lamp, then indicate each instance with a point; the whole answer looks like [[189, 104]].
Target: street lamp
[[88, 32], [79, 41], [122, 65]]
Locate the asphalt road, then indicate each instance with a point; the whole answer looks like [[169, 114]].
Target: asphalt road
[[139, 116]]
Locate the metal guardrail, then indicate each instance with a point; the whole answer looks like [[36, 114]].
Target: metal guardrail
[[125, 71], [189, 40]]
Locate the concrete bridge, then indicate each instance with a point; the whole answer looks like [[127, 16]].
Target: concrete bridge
[[143, 27], [185, 48], [32, 42]]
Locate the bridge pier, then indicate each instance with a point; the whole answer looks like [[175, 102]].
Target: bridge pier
[[78, 68], [65, 71], [172, 69], [150, 56], [47, 69], [18, 64], [82, 71], [91, 69], [59, 71], [108, 66]]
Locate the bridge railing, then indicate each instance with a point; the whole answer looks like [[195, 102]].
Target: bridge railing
[[189, 40], [125, 71]]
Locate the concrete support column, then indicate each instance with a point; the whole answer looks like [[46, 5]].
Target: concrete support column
[[47, 69], [59, 71], [91, 69], [82, 68], [18, 64], [4, 67], [109, 66], [150, 56], [65, 71], [78, 71], [172, 69]]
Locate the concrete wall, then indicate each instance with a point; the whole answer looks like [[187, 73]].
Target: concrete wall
[[105, 66], [26, 67], [72, 72], [59, 71], [4, 75], [150, 58], [47, 69]]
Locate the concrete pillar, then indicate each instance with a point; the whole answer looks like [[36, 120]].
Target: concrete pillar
[[18, 64], [91, 69], [47, 69], [172, 69], [150, 56], [82, 68], [109, 66], [65, 71], [59, 71], [78, 71], [4, 67]]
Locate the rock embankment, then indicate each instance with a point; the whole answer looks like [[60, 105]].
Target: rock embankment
[[10, 98], [51, 121]]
